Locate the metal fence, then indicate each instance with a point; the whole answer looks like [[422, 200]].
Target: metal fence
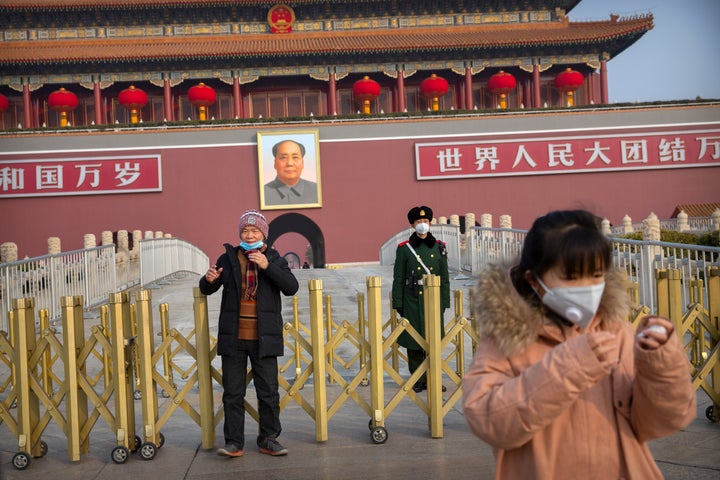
[[93, 273], [640, 259], [643, 260]]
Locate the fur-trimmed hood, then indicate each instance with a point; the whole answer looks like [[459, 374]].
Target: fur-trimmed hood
[[504, 315]]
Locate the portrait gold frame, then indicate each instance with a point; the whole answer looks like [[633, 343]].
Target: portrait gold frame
[[266, 170]]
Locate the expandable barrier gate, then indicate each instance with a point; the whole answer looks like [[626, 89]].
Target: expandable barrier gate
[[79, 379]]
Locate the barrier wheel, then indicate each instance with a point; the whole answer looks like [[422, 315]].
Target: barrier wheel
[[120, 454], [136, 446], [161, 440], [370, 426], [710, 413], [148, 451], [21, 460], [379, 435], [137, 395], [43, 448]]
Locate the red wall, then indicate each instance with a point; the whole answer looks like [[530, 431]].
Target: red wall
[[368, 184]]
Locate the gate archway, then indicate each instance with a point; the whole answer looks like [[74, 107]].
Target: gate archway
[[297, 223]]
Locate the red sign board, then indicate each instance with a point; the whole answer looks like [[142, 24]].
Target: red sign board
[[545, 153], [80, 176]]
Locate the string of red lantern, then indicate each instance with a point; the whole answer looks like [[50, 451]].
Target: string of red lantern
[[366, 90], [202, 96], [133, 99], [568, 82], [63, 101], [501, 84], [433, 88]]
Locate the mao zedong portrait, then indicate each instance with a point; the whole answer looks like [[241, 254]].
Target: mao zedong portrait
[[288, 188]]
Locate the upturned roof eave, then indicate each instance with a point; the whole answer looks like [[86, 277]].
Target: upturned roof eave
[[545, 48], [612, 37]]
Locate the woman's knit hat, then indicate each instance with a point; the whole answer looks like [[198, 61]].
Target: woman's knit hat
[[255, 219]]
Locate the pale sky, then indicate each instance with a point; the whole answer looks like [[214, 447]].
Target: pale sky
[[679, 59]]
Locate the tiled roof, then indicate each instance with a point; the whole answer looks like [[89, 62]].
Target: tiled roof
[[696, 209], [107, 4], [540, 39], [113, 4]]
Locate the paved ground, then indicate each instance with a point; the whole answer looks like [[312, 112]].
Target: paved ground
[[349, 453]]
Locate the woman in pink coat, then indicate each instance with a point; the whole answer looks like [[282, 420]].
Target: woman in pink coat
[[561, 385]]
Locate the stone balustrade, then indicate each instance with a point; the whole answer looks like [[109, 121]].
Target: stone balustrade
[[650, 228], [124, 254]]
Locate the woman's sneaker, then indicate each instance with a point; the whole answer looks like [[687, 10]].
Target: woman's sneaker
[[230, 450], [272, 447]]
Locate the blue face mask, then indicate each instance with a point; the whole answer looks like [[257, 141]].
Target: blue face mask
[[251, 246]]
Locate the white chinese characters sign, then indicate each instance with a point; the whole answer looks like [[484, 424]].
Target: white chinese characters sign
[[569, 152], [30, 177]]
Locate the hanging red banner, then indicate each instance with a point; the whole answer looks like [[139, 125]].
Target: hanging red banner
[[545, 153], [80, 176]]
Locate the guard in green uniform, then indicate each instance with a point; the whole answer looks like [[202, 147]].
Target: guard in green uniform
[[420, 255]]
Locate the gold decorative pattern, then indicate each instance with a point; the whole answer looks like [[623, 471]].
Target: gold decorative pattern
[[247, 79]]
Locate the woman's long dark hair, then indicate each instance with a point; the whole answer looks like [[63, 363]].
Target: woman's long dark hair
[[570, 238]]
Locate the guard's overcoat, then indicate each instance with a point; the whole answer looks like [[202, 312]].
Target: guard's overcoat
[[407, 268], [536, 392]]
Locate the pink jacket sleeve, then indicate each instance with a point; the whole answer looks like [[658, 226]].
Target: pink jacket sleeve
[[506, 408], [664, 400]]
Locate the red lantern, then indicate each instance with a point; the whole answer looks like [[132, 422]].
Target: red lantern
[[568, 81], [202, 97], [365, 91], [433, 88], [4, 103], [63, 101], [133, 99], [501, 84]]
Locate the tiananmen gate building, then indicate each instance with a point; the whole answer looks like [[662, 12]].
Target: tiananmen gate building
[[162, 115]]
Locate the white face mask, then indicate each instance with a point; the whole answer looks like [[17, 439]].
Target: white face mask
[[422, 228], [576, 304]]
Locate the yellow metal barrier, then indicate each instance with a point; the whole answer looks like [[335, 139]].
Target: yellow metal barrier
[[151, 439], [123, 422], [28, 407], [120, 356], [76, 403]]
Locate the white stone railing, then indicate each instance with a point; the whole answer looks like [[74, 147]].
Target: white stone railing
[[162, 257], [93, 272], [469, 260], [88, 272]]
